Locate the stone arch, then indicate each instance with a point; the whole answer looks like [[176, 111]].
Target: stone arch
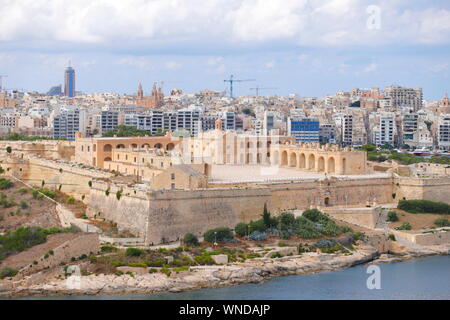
[[145, 146], [134, 146], [311, 162], [302, 161], [120, 146], [326, 201], [293, 160], [276, 158], [331, 165], [170, 147], [107, 159], [321, 164], [158, 146], [107, 148], [284, 158]]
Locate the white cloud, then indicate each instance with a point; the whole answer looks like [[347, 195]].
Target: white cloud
[[193, 23]]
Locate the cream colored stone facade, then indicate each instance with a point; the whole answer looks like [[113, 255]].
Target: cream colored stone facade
[[226, 147], [330, 159], [97, 151]]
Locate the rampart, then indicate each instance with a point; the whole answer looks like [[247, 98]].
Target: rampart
[[162, 216]]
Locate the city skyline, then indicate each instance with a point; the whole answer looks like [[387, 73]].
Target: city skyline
[[312, 49]]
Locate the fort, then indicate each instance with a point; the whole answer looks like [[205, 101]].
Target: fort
[[194, 199]]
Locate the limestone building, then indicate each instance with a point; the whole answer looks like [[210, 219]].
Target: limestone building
[[330, 159]]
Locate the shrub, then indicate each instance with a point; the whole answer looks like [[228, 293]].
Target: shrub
[[190, 240], [315, 215], [105, 249], [392, 216], [107, 192], [204, 260], [286, 221], [276, 255], [119, 194], [241, 229], [156, 263], [405, 226], [48, 193], [8, 149], [442, 222], [90, 183], [5, 184], [37, 195], [152, 270], [325, 243], [218, 234], [7, 272], [70, 200], [21, 239], [23, 205], [392, 237], [424, 206], [257, 225], [134, 252], [22, 191]]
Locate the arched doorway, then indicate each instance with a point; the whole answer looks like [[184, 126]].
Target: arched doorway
[[311, 162], [107, 159], [284, 158], [331, 165], [327, 201], [321, 164], [302, 162], [120, 146], [170, 147], [107, 148], [158, 146], [145, 146], [293, 160]]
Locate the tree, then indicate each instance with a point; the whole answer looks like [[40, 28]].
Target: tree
[[241, 229], [190, 240], [126, 131], [218, 235], [268, 221], [369, 148], [8, 149], [392, 216]]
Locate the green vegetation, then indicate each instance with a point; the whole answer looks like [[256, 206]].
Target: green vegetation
[[21, 137], [119, 194], [5, 184], [6, 202], [7, 272], [424, 206], [106, 249], [405, 226], [70, 200], [241, 229], [8, 149], [218, 235], [37, 195], [392, 237], [22, 191], [24, 205], [190, 240], [442, 222], [134, 252], [126, 131], [392, 216], [24, 238], [48, 193]]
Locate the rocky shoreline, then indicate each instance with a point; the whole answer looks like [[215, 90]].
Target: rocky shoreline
[[255, 271]]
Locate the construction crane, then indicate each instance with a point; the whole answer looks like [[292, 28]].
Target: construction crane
[[257, 89], [1, 82], [232, 80]]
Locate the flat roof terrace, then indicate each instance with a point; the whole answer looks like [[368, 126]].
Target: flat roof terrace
[[232, 174]]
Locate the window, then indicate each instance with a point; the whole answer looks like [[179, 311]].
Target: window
[[173, 186], [172, 176]]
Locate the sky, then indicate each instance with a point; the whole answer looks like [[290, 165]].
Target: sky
[[308, 47]]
